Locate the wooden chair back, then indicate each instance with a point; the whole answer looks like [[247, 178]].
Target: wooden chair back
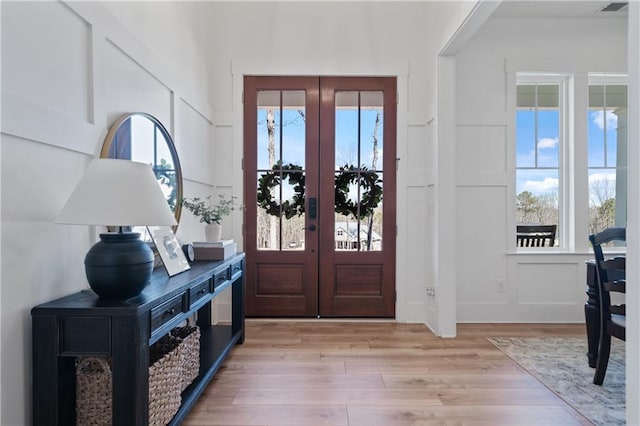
[[535, 235], [611, 278]]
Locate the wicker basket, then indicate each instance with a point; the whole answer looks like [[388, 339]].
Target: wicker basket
[[165, 382], [189, 349], [93, 392], [94, 385]]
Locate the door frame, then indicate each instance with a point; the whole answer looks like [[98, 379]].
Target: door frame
[[376, 297]]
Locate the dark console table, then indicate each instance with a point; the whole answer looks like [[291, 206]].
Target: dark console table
[[81, 324], [592, 314]]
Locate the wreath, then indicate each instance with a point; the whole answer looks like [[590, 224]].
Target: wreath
[[369, 184], [290, 173]]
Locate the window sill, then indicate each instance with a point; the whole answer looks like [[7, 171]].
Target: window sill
[[560, 252]]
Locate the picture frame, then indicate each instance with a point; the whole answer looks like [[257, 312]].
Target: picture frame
[[169, 249]]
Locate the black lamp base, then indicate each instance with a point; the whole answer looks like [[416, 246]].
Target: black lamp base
[[119, 266]]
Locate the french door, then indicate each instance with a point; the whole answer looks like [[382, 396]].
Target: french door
[[319, 196]]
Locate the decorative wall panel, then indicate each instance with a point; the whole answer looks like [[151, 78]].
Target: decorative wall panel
[[129, 87], [194, 139], [51, 66]]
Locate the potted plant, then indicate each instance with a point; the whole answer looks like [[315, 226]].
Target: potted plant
[[210, 213]]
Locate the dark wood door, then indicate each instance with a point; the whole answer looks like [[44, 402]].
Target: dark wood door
[[319, 196], [358, 218]]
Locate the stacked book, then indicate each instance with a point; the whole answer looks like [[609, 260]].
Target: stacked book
[[214, 250]]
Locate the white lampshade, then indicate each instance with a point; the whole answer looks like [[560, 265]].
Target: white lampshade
[[117, 193]]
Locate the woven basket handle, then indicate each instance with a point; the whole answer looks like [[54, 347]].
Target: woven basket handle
[[86, 363]]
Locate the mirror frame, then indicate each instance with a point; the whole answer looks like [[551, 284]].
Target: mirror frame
[[108, 140]]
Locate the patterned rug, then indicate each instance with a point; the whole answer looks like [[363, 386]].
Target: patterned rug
[[561, 365]]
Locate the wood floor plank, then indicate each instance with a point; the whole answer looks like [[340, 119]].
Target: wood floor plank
[[353, 396], [293, 381], [469, 381], [263, 356], [284, 367], [461, 416], [312, 373], [278, 415], [437, 367], [309, 347], [493, 396]]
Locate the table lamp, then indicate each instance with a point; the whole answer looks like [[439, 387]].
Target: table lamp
[[118, 193]]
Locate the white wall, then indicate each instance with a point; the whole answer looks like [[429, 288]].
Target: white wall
[[344, 38], [538, 287], [633, 246], [68, 70]]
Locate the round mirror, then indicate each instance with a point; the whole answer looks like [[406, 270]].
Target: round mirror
[[141, 137]]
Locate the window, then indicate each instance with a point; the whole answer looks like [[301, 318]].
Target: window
[[607, 151], [540, 110], [550, 152]]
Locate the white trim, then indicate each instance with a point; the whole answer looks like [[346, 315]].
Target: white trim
[[407, 310], [600, 78], [445, 233], [476, 18]]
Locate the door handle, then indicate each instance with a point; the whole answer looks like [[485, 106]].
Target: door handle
[[313, 207], [311, 227]]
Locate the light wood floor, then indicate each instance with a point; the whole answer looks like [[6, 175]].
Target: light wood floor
[[308, 373]]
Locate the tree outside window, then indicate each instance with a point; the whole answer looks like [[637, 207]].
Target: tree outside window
[[607, 142]]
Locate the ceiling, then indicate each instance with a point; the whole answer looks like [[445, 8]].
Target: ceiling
[[557, 9]]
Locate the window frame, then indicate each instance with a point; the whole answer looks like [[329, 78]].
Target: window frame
[[566, 165]]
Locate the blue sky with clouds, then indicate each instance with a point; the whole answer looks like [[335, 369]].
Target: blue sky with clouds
[[544, 181]]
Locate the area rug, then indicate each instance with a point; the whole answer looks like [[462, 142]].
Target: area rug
[[561, 365]]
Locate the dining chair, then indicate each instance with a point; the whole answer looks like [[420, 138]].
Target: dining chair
[[611, 278]]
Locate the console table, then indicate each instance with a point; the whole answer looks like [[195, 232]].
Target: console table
[[81, 324]]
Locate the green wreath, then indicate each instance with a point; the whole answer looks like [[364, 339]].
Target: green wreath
[[268, 180], [369, 184]]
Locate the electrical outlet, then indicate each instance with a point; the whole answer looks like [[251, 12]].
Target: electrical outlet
[[500, 286]]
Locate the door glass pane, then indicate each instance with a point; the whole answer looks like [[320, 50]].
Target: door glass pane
[[293, 127], [292, 207], [358, 173], [371, 131], [268, 216], [268, 129], [374, 220], [281, 177], [293, 233], [346, 138]]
